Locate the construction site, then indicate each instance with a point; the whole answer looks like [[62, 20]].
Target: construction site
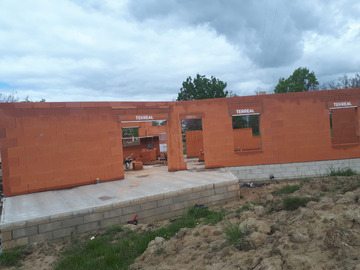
[[74, 167]]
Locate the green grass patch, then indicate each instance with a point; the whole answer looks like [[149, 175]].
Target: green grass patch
[[208, 216], [198, 212], [12, 256], [235, 235], [287, 190], [341, 172], [293, 203], [118, 248], [213, 217], [114, 229]]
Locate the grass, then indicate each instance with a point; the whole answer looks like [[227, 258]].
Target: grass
[[341, 172], [287, 190], [235, 235], [293, 203], [12, 256], [118, 248], [209, 216]]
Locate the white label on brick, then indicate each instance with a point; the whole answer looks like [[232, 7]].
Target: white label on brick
[[241, 111], [342, 104], [144, 117]]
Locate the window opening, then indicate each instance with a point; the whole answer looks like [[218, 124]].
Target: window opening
[[247, 121], [246, 132], [159, 123]]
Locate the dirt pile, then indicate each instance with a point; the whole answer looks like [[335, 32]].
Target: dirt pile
[[324, 234]]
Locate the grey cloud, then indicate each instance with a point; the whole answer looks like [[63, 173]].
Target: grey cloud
[[270, 32]]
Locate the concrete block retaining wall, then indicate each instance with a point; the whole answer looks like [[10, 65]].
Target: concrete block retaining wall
[[292, 170], [148, 209]]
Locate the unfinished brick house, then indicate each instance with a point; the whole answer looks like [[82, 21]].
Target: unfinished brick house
[[47, 146]]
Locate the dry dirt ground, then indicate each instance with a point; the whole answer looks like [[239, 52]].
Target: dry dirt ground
[[325, 234]]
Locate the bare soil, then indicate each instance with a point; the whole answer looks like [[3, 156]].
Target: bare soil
[[323, 235]]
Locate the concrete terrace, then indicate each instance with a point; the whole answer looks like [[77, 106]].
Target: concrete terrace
[[153, 193]]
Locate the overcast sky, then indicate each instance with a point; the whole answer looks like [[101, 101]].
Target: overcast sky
[[98, 50]]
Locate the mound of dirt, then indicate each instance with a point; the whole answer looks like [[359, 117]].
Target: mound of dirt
[[325, 234]]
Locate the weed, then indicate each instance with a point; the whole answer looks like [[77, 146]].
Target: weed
[[341, 172], [235, 235], [209, 216], [293, 203], [214, 217], [303, 181], [12, 256], [114, 229], [275, 205], [287, 190], [197, 212]]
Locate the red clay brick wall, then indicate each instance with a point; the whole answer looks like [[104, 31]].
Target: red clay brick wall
[[194, 143], [244, 140], [144, 142], [294, 127], [48, 146]]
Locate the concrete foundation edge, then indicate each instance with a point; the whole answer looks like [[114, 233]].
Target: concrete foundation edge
[[292, 170], [148, 209]]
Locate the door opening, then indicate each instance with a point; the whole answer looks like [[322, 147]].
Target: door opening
[[192, 138]]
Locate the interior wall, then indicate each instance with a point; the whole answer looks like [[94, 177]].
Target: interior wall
[[194, 143]]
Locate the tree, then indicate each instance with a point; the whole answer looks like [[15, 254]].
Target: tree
[[8, 98], [202, 88], [342, 82], [301, 80]]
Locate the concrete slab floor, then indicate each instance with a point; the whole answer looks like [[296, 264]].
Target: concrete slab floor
[[152, 180]]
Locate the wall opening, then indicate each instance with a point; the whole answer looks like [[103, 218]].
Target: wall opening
[[344, 125], [246, 132], [144, 142], [192, 138]]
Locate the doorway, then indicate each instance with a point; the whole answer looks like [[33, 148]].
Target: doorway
[[144, 144], [192, 138]]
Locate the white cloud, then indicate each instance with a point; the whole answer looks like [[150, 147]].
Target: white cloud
[[134, 50]]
